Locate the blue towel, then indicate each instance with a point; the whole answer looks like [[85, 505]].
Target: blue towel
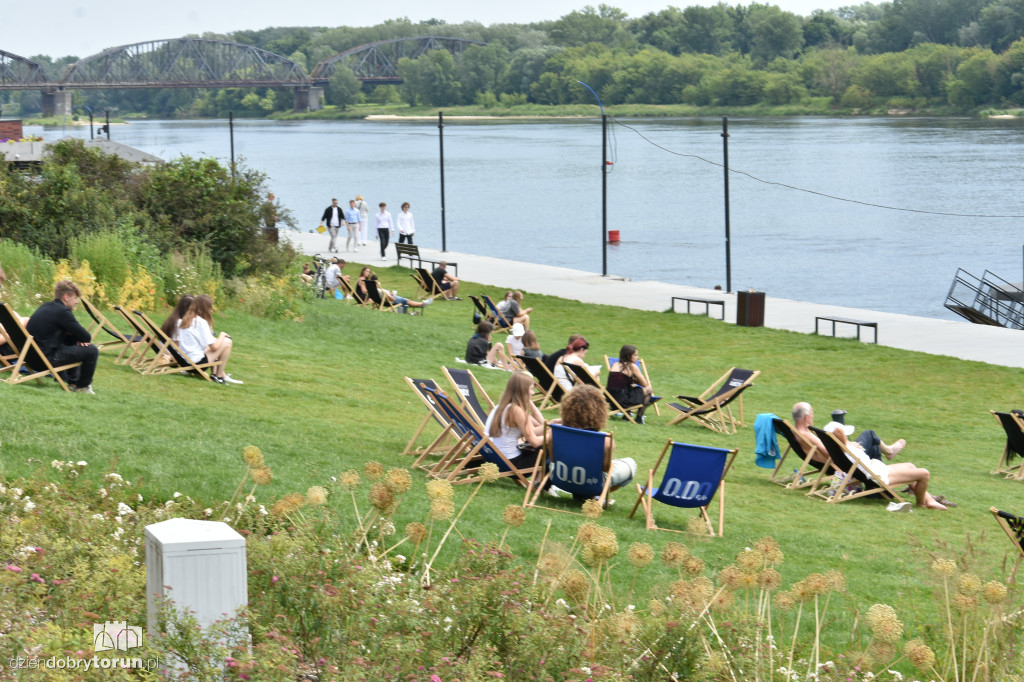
[[767, 447]]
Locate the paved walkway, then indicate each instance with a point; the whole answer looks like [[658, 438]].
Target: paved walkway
[[964, 340]]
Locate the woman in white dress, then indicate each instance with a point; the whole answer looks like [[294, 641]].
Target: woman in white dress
[[364, 215]]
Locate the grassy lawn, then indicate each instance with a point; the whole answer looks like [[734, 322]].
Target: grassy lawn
[[325, 394]]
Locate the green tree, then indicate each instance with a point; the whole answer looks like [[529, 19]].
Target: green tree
[[431, 79], [773, 33], [480, 68], [828, 71], [887, 75], [343, 88], [605, 25], [1000, 24], [737, 85], [975, 79], [784, 88]]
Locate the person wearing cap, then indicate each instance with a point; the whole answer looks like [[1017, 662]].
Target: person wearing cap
[[333, 275], [514, 342]]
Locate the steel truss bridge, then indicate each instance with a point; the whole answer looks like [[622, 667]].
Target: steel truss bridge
[[204, 63]]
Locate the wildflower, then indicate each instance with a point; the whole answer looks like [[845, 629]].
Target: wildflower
[[373, 470], [551, 564], [252, 456], [29, 504], [57, 464], [207, 512], [965, 602], [349, 480], [836, 580], [656, 608], [114, 477], [13, 569], [592, 509], [316, 495], [123, 509], [969, 584], [440, 488], [944, 567], [381, 497], [399, 480], [693, 565], [605, 546], [489, 472], [176, 495], [673, 554], [416, 531], [262, 475], [626, 623], [723, 601], [289, 503], [783, 601], [884, 624], [574, 584], [82, 463], [729, 577], [750, 560], [817, 584], [35, 577], [587, 531], [769, 579], [640, 554], [880, 651], [441, 508], [697, 526], [387, 528], [994, 592], [918, 653], [514, 515]]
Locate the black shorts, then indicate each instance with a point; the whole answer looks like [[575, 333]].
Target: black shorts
[[444, 286]]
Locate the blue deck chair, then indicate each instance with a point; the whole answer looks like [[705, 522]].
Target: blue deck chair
[[1013, 425], [577, 462], [693, 474], [470, 390], [707, 408], [500, 321], [1013, 525], [440, 444], [610, 361]]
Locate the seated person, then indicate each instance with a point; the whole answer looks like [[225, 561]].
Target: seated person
[[5, 348], [362, 293], [170, 325], [514, 341], [627, 384], [480, 351], [585, 408], [449, 285], [62, 339], [195, 335], [575, 354], [307, 273], [333, 275], [531, 347], [514, 313], [552, 360], [515, 425]]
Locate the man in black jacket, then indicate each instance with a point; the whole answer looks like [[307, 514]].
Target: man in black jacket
[[62, 339], [333, 216]]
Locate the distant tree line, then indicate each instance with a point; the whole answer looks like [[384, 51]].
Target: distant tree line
[[964, 53]]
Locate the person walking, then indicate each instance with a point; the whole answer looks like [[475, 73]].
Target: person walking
[[333, 216], [352, 225], [406, 224], [385, 228], [364, 213]]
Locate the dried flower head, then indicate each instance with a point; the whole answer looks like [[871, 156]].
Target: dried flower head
[[262, 475], [624, 624], [489, 472], [440, 488], [316, 495], [575, 585], [398, 480], [373, 470], [722, 601], [944, 567], [918, 653], [750, 560], [592, 509], [697, 526], [766, 546], [880, 652], [252, 456], [350, 480], [673, 554], [965, 602], [802, 591], [818, 584], [605, 546], [884, 624], [416, 531], [836, 580], [969, 584], [514, 515], [769, 579], [656, 607], [587, 531], [994, 592], [381, 497], [729, 577], [552, 564], [693, 565], [640, 554], [441, 508], [783, 601], [288, 504]]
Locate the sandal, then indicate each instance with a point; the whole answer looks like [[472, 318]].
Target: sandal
[[941, 499]]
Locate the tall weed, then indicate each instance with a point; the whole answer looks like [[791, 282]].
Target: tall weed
[[192, 271], [29, 275]]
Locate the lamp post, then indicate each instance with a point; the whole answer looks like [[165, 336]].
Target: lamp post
[[604, 182], [92, 135]]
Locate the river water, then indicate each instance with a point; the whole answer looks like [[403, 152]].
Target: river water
[[531, 191]]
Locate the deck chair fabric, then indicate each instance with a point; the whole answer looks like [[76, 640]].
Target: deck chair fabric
[[26, 360], [712, 408], [583, 376], [380, 299], [165, 346], [1010, 462], [610, 361], [551, 392], [577, 462], [500, 320], [470, 391], [100, 323], [810, 471], [440, 444], [350, 293], [427, 283], [1013, 526], [851, 468], [693, 474]]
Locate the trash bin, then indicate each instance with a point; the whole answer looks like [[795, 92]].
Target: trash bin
[[613, 236], [750, 308]]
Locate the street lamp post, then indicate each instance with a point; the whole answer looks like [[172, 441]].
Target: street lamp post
[[604, 182], [92, 135]]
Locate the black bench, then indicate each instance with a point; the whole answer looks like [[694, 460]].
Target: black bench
[[708, 302], [412, 252], [845, 320]]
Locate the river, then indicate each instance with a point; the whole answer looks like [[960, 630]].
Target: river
[[531, 191]]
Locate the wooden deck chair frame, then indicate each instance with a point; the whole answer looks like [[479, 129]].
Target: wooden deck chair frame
[[350, 293], [481, 308], [428, 284], [552, 459], [440, 444], [609, 361], [707, 408], [377, 295], [843, 460], [1013, 426], [500, 321], [470, 392], [27, 354], [809, 473], [135, 355], [181, 362], [1012, 525], [100, 323], [551, 392], [583, 375], [647, 495]]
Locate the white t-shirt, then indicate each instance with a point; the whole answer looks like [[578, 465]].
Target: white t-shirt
[[514, 345], [332, 275], [406, 224], [194, 339]]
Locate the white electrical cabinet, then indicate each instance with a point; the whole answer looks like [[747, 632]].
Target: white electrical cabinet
[[199, 565]]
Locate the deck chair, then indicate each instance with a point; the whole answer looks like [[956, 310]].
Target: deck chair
[[577, 461], [440, 444], [101, 324], [167, 347], [500, 321], [380, 299], [843, 460], [350, 293], [609, 361], [1013, 425], [712, 407], [1012, 525], [809, 472], [427, 283], [583, 376], [462, 463], [693, 474], [551, 392], [26, 361], [470, 390], [137, 355], [480, 307]]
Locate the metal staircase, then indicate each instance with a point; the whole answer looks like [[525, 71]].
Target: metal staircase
[[990, 300]]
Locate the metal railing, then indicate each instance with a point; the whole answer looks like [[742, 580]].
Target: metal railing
[[989, 300]]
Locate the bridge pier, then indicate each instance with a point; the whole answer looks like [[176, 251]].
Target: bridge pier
[[56, 102], [309, 99]]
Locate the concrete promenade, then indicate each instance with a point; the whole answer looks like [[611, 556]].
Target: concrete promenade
[[964, 340]]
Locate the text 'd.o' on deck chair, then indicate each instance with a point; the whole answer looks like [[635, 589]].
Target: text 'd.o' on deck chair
[[853, 472], [1013, 526], [100, 323], [550, 392], [577, 461], [1010, 462], [26, 360], [500, 320], [809, 471], [167, 348], [379, 296], [471, 392], [441, 443], [462, 463], [610, 362], [583, 376], [713, 407], [693, 474]]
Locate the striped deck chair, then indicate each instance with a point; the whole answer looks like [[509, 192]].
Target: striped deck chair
[[26, 361]]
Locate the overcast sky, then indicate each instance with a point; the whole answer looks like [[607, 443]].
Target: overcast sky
[[62, 27]]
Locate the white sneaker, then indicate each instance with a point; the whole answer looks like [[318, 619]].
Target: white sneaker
[[427, 301], [228, 379], [903, 507], [82, 389], [383, 258], [555, 491]]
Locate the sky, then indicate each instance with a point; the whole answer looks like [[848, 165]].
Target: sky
[[74, 27]]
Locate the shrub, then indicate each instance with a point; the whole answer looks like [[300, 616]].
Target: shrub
[[191, 271], [855, 97], [28, 274], [275, 298], [108, 257]]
